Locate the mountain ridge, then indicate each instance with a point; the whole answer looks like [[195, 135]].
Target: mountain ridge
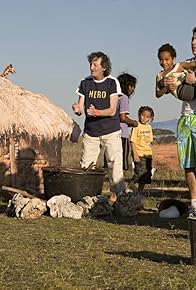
[[169, 124]]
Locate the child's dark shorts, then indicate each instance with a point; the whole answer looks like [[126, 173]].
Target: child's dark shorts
[[142, 171]]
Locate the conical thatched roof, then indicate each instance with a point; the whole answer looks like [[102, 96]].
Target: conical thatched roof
[[30, 113]]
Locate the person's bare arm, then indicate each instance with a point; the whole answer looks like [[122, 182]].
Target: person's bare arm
[[190, 78], [111, 111], [134, 152], [169, 85], [161, 88], [128, 121], [78, 107], [187, 65]]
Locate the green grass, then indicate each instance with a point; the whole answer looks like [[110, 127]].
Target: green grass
[[71, 157], [140, 252]]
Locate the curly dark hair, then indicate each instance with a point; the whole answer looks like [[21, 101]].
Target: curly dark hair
[[167, 47], [146, 108], [194, 31], [125, 81], [105, 61]]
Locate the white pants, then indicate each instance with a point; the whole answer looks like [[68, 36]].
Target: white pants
[[112, 145]]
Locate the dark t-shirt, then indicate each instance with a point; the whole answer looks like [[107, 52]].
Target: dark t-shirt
[[98, 94], [186, 92]]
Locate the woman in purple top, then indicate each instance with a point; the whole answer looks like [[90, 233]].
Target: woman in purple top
[[128, 84]]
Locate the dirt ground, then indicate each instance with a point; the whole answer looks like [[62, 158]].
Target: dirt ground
[[166, 155]]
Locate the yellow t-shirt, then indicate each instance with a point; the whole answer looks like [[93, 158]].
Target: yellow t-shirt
[[142, 137]]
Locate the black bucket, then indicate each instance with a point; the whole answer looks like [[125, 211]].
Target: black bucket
[[192, 235], [73, 182]]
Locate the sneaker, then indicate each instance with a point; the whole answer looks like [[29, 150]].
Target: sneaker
[[192, 212]]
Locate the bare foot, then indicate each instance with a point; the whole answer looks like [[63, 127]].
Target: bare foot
[[113, 197]]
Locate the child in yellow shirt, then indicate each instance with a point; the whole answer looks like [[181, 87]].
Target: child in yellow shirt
[[140, 140]]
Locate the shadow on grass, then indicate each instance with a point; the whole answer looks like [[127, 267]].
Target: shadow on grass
[[154, 257], [149, 219], [5, 196], [168, 183], [178, 236], [166, 193], [3, 208]]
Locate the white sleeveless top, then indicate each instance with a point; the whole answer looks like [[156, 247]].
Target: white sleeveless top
[[188, 107], [178, 77]]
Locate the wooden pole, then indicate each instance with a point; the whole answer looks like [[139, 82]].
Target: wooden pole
[[13, 190], [13, 167]]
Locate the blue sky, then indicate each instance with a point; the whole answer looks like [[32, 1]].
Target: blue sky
[[48, 43]]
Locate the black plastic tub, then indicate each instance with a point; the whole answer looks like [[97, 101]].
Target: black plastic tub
[[73, 182]]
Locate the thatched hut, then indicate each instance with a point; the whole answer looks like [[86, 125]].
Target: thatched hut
[[31, 134]]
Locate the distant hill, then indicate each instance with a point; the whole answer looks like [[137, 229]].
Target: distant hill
[[165, 136], [169, 125]]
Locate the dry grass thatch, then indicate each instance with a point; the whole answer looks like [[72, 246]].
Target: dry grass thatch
[[24, 112]]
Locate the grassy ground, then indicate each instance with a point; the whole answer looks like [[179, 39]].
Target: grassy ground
[[71, 157], [140, 252]]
